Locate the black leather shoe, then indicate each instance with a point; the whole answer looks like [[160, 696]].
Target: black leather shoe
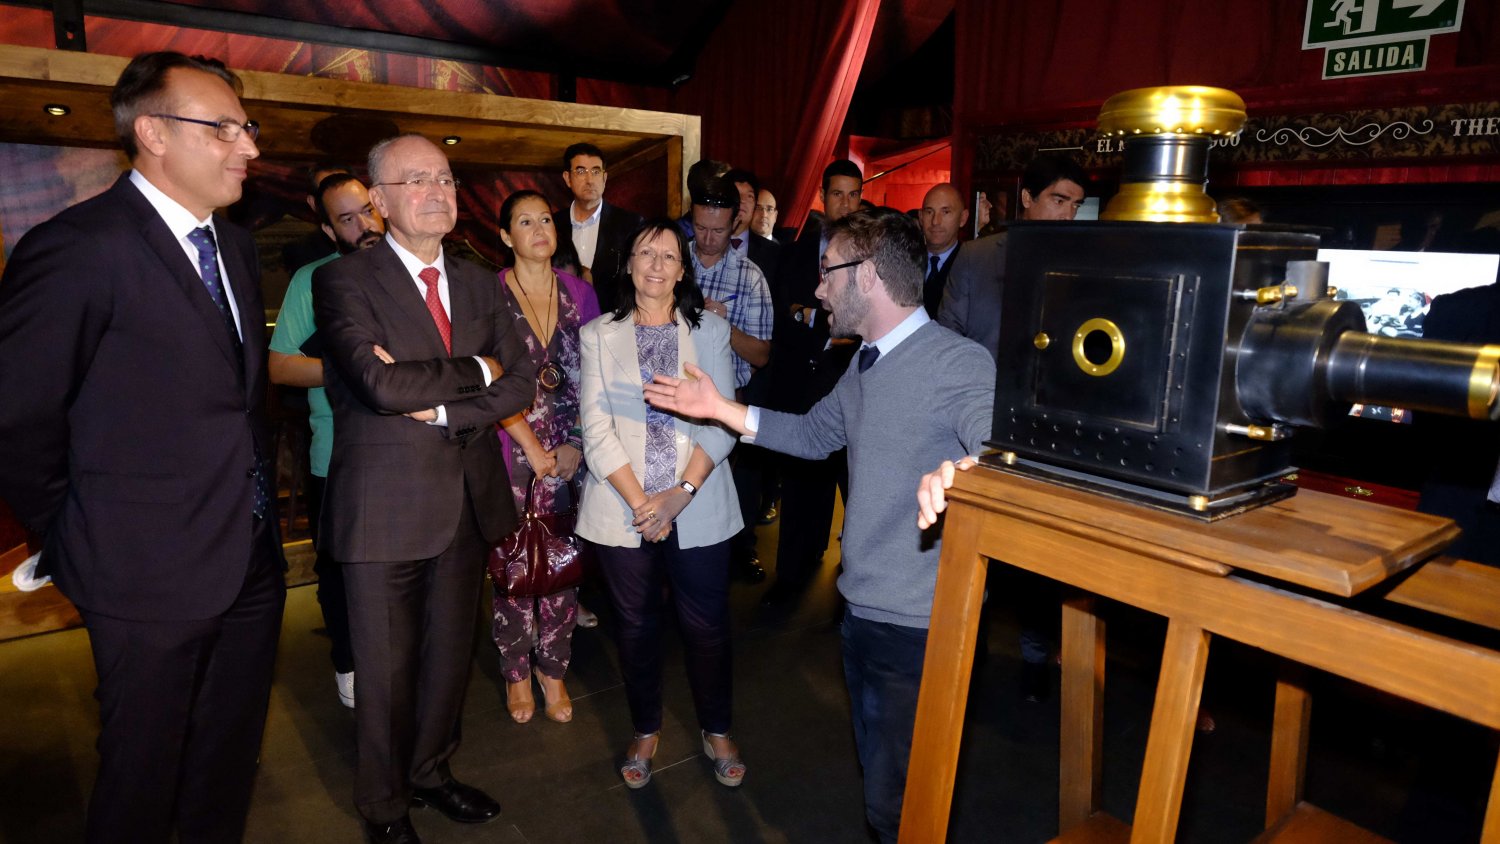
[[458, 802], [396, 832], [768, 517], [750, 570]]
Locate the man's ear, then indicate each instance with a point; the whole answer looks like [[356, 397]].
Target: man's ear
[[1026, 198], [328, 230], [963, 218], [148, 135]]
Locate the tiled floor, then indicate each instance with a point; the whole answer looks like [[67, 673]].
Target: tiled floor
[[1392, 767]]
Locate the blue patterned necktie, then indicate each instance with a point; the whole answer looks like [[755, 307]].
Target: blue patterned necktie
[[867, 357], [208, 266]]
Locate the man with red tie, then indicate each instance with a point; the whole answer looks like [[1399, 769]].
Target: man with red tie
[[420, 364]]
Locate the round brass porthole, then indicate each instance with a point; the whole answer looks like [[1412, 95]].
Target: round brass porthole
[[1116, 346]]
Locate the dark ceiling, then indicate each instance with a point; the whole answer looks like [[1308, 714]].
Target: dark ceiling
[[652, 42]]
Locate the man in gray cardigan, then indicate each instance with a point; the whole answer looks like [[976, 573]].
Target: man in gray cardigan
[[916, 395]]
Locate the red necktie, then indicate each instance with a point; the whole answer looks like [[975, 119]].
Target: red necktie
[[429, 277]]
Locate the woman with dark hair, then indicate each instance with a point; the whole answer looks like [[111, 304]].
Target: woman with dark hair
[[543, 442], [655, 503]]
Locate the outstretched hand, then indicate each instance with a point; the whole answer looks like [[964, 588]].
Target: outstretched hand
[[693, 395], [930, 490]]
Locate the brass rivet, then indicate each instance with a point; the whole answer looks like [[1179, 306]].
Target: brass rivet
[[1041, 340]]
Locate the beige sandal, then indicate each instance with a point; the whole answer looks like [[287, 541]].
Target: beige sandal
[[636, 771], [519, 701], [559, 709], [728, 770]]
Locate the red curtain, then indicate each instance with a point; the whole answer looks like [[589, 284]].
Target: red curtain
[[773, 84]]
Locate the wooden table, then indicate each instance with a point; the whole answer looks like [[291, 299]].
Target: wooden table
[[1207, 579]]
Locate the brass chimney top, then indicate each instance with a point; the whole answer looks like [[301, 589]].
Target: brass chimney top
[[1167, 133]]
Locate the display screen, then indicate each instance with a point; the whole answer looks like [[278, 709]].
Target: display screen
[[1396, 289]]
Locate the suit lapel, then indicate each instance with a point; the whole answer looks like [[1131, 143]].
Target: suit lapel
[[401, 288], [619, 339], [243, 285], [173, 257]]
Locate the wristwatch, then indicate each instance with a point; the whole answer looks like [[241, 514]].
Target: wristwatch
[[800, 315], [690, 487]]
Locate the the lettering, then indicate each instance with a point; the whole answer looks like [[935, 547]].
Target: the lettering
[[1471, 126]]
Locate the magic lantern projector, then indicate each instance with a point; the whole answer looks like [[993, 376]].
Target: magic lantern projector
[[1159, 356]]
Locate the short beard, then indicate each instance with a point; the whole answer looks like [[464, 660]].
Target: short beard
[[849, 310]]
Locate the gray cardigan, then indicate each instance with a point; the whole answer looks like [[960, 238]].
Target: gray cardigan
[[928, 400]]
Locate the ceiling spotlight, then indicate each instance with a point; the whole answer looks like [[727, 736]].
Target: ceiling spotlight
[[57, 109], [451, 140]]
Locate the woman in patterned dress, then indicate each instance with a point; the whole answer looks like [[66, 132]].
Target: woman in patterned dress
[[657, 505], [535, 635]]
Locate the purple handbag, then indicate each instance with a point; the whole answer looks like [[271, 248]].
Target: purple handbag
[[542, 556]]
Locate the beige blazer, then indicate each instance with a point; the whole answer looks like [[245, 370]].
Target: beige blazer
[[613, 409]]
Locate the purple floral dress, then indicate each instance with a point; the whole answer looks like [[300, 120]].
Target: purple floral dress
[[544, 625]]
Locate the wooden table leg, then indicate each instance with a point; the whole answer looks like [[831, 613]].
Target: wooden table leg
[[1288, 744], [1491, 832], [944, 694], [1081, 760], [1174, 719]]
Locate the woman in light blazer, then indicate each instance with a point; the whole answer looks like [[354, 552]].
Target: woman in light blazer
[[656, 503]]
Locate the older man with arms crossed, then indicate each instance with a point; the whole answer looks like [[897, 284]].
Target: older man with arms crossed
[[133, 373], [916, 395], [420, 364]]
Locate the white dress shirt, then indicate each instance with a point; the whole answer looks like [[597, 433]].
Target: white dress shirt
[[586, 233]]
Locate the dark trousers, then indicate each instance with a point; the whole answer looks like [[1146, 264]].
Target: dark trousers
[[699, 578], [748, 462], [412, 626], [182, 705], [807, 492], [883, 669], [331, 597]]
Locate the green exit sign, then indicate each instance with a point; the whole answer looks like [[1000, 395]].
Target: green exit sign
[[1375, 59], [1345, 23]]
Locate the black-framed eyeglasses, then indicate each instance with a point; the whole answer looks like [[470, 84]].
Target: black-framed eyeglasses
[[581, 172], [824, 271], [422, 184], [227, 131]]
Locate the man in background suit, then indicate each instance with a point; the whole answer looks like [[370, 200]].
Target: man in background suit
[[943, 215], [1053, 187], [599, 229], [133, 376], [806, 362], [420, 362], [761, 251]]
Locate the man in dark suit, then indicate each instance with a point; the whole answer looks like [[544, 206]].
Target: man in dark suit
[[599, 229], [420, 362], [1460, 455], [761, 251], [805, 366], [133, 376], [1053, 187], [943, 216]]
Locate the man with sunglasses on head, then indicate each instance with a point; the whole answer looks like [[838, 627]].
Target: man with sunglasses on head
[[133, 371]]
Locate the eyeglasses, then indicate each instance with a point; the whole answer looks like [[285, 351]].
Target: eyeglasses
[[422, 184], [596, 172], [650, 256], [824, 271], [227, 131]]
